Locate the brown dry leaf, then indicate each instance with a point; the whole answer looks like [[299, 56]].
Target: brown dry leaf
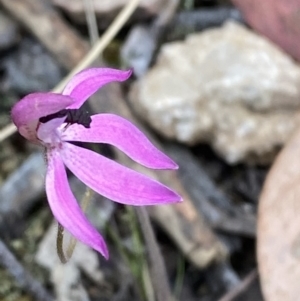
[[277, 19], [278, 243]]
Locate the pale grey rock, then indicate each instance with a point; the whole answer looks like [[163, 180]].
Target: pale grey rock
[[226, 86], [66, 277], [138, 49]]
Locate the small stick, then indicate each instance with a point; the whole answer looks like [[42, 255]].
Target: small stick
[[7, 131], [22, 277], [91, 21], [60, 233], [157, 266], [91, 56], [241, 287], [105, 39], [52, 31]]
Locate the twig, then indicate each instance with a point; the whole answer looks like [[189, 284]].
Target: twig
[[52, 31], [157, 265], [166, 14], [219, 210], [143, 40], [91, 21], [243, 285], [22, 277], [7, 131], [106, 38]]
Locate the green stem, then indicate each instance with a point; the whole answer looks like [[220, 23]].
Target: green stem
[[60, 232], [59, 243]]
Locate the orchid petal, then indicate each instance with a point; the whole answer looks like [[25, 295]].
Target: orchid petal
[[113, 180], [65, 207], [26, 113], [48, 132], [87, 82], [119, 132]]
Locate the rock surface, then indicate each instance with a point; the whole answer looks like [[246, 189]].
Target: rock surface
[[31, 68], [66, 278], [226, 86], [9, 33]]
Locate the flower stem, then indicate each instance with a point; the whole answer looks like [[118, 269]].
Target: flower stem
[[60, 232], [157, 265], [84, 204], [59, 244]]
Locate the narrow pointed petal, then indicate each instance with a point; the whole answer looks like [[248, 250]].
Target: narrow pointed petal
[[65, 207], [87, 82], [119, 132], [26, 113], [113, 180]]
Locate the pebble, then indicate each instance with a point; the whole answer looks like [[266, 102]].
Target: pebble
[[31, 68], [227, 87]]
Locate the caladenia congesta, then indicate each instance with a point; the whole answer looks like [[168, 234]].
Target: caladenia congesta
[[55, 121]]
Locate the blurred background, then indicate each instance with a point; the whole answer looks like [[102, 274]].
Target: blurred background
[[216, 86]]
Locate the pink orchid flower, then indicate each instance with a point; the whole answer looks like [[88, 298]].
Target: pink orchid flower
[[55, 121]]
